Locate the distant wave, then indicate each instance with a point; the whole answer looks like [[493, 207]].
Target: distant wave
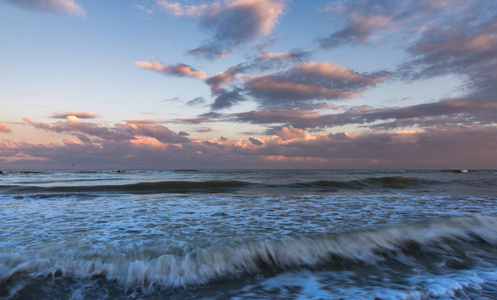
[[20, 172], [135, 188], [462, 171], [396, 182], [374, 182], [186, 171], [160, 268]]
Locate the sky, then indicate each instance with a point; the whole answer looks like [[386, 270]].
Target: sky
[[132, 84]]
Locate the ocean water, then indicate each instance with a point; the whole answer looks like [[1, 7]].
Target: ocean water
[[248, 234]]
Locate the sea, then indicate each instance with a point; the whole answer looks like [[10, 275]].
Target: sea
[[248, 234]]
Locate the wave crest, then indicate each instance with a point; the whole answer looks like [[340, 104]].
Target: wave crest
[[397, 182], [160, 268], [373, 182]]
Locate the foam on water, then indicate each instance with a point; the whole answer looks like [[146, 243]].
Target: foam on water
[[467, 284], [377, 239], [87, 222], [162, 268]]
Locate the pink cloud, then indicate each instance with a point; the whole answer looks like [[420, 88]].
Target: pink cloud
[[183, 10], [266, 12], [483, 42], [290, 132], [477, 43], [307, 82], [279, 88], [180, 70], [288, 80], [142, 121], [469, 146], [335, 72], [147, 142], [4, 128], [272, 56], [363, 22], [116, 133], [69, 7], [78, 114]]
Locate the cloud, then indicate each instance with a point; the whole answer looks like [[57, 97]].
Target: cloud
[[118, 133], [290, 132], [293, 93], [145, 9], [226, 99], [367, 19], [390, 149], [262, 47], [469, 51], [290, 96], [183, 10], [309, 82], [471, 147], [256, 142], [360, 30], [465, 46], [446, 112], [196, 101], [293, 84], [192, 120], [287, 116], [69, 7], [441, 38], [204, 129], [458, 111], [159, 132], [4, 128], [232, 22], [218, 81], [78, 114], [338, 136], [142, 121], [180, 70], [287, 79], [283, 58], [273, 62]]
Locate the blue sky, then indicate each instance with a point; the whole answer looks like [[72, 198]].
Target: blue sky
[[248, 84]]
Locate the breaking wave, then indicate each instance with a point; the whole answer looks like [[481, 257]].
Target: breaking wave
[[163, 268]]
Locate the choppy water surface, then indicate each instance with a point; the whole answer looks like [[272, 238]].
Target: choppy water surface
[[258, 234]]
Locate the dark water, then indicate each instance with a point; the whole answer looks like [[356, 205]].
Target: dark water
[[248, 234]]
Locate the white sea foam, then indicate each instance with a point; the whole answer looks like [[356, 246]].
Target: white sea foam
[[286, 246], [105, 221], [163, 268], [467, 284]]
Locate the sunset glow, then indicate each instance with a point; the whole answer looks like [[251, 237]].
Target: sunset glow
[[248, 84]]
